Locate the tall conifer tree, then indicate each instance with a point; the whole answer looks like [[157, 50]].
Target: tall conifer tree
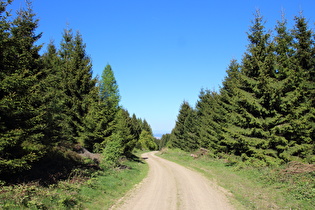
[[109, 98], [77, 84], [229, 98], [178, 133], [210, 120], [192, 141], [109, 91], [302, 115], [104, 106], [145, 126], [22, 138], [288, 80], [256, 93], [52, 94], [136, 126], [123, 129]]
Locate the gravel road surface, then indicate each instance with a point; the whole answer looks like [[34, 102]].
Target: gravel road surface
[[170, 186]]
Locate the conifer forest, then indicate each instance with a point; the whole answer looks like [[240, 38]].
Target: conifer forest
[[264, 112], [53, 111], [51, 107]]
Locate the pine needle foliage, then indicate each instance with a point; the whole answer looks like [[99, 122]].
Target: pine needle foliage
[[22, 140]]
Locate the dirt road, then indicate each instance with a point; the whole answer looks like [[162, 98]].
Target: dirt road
[[171, 186]]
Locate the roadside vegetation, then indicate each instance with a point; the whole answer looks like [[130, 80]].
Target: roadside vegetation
[[290, 186], [88, 187]]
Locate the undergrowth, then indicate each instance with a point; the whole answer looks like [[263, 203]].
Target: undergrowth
[[290, 186], [85, 188]]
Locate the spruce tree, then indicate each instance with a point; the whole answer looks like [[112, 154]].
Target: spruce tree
[[52, 94], [136, 126], [22, 139], [5, 48], [95, 123], [287, 75], [123, 128], [229, 98], [255, 114], [302, 114], [191, 132], [211, 118], [145, 126], [77, 85], [178, 133], [4, 36]]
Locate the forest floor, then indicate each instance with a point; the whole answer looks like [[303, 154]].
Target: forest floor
[[172, 186]]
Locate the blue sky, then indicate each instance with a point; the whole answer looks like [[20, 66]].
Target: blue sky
[[162, 51]]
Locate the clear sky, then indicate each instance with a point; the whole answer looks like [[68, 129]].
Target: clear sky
[[162, 52]]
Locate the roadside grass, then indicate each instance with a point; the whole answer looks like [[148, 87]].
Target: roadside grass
[[103, 191], [97, 190], [253, 188]]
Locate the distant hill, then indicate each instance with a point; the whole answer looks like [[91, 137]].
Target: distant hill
[[158, 135]]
